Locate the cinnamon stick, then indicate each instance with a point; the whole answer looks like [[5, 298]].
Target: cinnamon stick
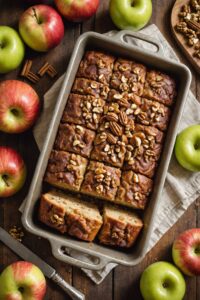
[[26, 68]]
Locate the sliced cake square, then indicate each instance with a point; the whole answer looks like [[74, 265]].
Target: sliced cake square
[[83, 110], [85, 86], [160, 87], [75, 138], [128, 76], [120, 227], [65, 170], [134, 190], [97, 66], [65, 213], [101, 181]]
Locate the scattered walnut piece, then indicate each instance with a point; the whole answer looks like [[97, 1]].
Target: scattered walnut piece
[[16, 233]]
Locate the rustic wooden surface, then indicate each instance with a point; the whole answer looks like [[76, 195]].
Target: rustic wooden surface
[[123, 282], [189, 51]]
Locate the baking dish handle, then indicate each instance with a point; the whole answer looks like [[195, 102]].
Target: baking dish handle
[[62, 253], [121, 35]]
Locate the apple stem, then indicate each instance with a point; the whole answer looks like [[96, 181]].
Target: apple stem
[[5, 180], [197, 250], [165, 285], [133, 3], [35, 15], [21, 290]]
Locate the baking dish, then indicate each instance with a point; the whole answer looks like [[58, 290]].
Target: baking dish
[[116, 45]]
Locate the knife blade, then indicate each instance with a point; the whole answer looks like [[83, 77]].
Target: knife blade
[[48, 271]]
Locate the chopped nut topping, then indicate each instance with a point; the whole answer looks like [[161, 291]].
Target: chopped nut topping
[[117, 96], [55, 219], [136, 178], [80, 129]]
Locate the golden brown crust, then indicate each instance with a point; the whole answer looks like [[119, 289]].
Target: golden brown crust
[[143, 150], [109, 148], [141, 110], [134, 190], [120, 231], [115, 119], [96, 66], [160, 87], [128, 76], [154, 114], [64, 214], [101, 181], [83, 110], [75, 138], [52, 215], [85, 86], [81, 227], [65, 170]]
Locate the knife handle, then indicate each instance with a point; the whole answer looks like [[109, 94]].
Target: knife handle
[[67, 288]]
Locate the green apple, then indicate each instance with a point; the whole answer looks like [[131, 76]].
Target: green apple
[[187, 148], [11, 49], [162, 281], [130, 14]]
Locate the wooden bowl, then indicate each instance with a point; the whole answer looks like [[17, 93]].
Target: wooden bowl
[[180, 38]]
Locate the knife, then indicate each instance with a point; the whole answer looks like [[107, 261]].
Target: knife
[[49, 272]]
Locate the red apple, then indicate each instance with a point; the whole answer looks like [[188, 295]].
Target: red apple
[[19, 106], [77, 10], [22, 281], [186, 252], [12, 172], [41, 27]]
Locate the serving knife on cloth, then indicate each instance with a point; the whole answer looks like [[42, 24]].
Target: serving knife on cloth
[[48, 271]]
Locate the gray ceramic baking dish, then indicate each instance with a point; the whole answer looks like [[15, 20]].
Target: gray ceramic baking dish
[[63, 245]]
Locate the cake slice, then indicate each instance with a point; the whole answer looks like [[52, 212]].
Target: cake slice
[[75, 138], [134, 190], [65, 170], [69, 214], [120, 227], [109, 148], [128, 76], [97, 66], [144, 150], [101, 181], [160, 87], [52, 211], [85, 86], [83, 110]]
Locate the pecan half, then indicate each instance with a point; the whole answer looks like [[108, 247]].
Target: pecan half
[[116, 128], [123, 118], [111, 139]]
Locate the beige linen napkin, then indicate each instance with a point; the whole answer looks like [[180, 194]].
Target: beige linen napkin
[[181, 187]]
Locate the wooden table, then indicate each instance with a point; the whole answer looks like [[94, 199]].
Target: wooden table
[[123, 282]]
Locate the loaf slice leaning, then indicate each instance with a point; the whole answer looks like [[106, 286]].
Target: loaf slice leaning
[[120, 227], [70, 215]]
